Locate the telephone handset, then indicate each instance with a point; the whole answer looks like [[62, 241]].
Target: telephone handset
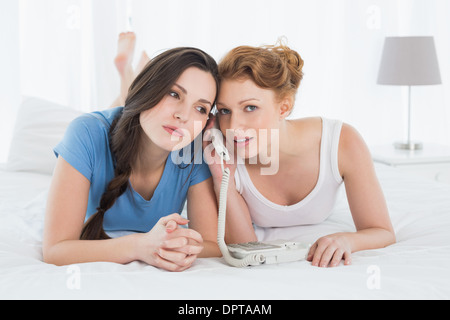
[[251, 253]]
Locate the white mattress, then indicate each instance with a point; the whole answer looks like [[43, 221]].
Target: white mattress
[[416, 267]]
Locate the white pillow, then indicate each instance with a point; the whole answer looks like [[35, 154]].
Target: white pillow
[[39, 127]]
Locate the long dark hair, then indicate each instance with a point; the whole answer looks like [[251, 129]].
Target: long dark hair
[[148, 89]]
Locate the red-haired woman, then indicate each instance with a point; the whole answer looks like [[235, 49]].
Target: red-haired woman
[[313, 157]]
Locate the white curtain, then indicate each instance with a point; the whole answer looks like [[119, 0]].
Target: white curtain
[[63, 51]]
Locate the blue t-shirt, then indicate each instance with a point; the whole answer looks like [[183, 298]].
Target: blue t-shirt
[[85, 147]]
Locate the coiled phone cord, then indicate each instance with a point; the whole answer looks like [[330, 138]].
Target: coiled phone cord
[[253, 259]]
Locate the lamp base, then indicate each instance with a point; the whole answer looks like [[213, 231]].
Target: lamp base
[[411, 145]]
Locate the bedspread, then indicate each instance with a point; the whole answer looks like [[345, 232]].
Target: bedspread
[[416, 267]]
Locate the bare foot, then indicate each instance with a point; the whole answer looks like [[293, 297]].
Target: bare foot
[[124, 64], [142, 63], [125, 53]]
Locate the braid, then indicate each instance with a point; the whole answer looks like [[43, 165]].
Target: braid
[[93, 228]]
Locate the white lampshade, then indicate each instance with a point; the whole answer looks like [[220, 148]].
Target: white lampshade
[[409, 61]]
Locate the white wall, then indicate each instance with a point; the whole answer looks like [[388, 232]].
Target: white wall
[[9, 75]]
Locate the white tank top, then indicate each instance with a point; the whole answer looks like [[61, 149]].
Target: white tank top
[[316, 207]]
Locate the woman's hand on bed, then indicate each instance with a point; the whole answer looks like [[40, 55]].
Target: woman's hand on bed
[[169, 247], [330, 250]]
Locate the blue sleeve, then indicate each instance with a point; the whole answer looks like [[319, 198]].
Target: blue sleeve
[[80, 145], [200, 173]]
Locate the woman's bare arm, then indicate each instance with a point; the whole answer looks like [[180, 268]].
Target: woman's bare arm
[[367, 205]]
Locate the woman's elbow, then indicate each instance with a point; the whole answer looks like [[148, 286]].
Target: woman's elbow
[[390, 238], [50, 256]]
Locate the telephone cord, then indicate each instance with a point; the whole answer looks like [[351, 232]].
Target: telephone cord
[[253, 259]]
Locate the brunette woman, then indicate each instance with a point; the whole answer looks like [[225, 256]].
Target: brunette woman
[[116, 172]]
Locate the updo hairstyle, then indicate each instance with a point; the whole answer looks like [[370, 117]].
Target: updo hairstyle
[[275, 67]]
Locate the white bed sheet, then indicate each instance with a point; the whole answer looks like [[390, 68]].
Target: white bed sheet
[[416, 267]]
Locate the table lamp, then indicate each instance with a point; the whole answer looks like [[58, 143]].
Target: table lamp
[[409, 61]]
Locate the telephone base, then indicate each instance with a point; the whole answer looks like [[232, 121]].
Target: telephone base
[[270, 252]]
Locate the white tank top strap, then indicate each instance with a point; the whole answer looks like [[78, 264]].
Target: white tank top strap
[[335, 127]]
